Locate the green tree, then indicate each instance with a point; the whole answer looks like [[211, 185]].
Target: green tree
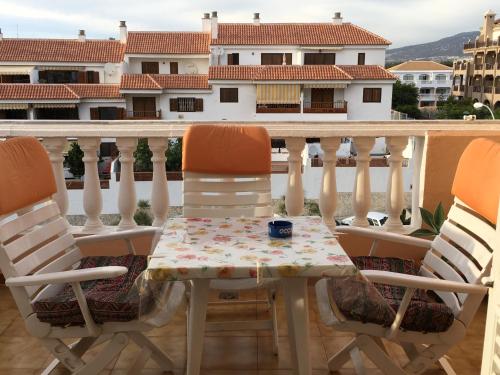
[[174, 155], [75, 160], [455, 109], [405, 99], [142, 156]]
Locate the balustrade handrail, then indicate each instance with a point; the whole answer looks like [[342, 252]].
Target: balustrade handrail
[[175, 129]]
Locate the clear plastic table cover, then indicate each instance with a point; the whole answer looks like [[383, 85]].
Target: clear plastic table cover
[[238, 248]]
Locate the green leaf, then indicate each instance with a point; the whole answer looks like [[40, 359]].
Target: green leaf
[[428, 218], [422, 233], [439, 217]]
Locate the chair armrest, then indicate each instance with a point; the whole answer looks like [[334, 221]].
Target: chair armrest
[[421, 282], [384, 236], [123, 235], [72, 276]]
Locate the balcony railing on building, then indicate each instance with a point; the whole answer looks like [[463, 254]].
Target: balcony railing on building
[[478, 44], [488, 89], [497, 90], [339, 106], [476, 89], [144, 115], [278, 108]]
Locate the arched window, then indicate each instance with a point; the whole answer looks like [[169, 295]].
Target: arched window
[[408, 77], [423, 77], [440, 77]]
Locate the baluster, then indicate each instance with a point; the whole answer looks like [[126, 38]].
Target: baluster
[[126, 192], [294, 199], [395, 192], [328, 193], [159, 192], [418, 174], [55, 147], [361, 196], [92, 198]]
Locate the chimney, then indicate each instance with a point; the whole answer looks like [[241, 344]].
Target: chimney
[[1, 35], [337, 19], [123, 32], [256, 19], [205, 23], [81, 35], [213, 25]]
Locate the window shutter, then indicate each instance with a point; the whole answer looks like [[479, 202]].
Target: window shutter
[[96, 77], [82, 77], [288, 59], [230, 59], [361, 59], [94, 113], [198, 105], [120, 113], [174, 67], [42, 75], [377, 95], [174, 105]]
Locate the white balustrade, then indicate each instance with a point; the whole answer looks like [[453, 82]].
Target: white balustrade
[[294, 198], [127, 203], [395, 192], [159, 191], [328, 192], [92, 198], [361, 195], [55, 148]]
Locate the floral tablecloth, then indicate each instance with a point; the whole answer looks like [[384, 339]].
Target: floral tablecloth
[[193, 248]]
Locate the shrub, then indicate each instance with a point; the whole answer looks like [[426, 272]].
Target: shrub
[[142, 157], [75, 160], [143, 214]]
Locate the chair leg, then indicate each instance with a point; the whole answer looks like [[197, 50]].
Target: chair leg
[[427, 357], [151, 350], [271, 295], [341, 357], [64, 355], [110, 351], [378, 356]]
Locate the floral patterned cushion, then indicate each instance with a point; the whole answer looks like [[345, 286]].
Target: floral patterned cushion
[[109, 300], [376, 303]]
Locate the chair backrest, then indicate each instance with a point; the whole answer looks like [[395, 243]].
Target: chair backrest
[[34, 237], [463, 251], [227, 171]]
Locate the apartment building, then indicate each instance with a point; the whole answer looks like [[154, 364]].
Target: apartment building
[[433, 80], [226, 71], [478, 77]]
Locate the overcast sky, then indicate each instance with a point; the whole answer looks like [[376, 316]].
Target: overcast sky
[[404, 22]]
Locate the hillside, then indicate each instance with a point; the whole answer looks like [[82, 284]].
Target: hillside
[[448, 48]]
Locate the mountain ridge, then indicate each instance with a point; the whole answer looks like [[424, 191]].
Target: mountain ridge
[[448, 48]]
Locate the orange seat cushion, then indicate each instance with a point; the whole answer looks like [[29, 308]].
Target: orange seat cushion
[[477, 179], [224, 149], [26, 175]]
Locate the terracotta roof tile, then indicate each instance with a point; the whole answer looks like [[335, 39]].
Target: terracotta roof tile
[[164, 81], [61, 50], [367, 72], [419, 65], [277, 73], [93, 91], [168, 43], [31, 91], [320, 34]]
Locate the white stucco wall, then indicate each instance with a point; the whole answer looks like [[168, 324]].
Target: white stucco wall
[[187, 65], [357, 110]]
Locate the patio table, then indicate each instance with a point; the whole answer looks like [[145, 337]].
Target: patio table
[[201, 249]]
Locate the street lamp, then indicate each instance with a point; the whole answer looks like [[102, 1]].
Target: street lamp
[[479, 105]]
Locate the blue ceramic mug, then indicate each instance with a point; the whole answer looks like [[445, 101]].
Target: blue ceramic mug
[[280, 228]]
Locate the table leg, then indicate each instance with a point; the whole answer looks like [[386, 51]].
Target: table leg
[[197, 316], [295, 292]]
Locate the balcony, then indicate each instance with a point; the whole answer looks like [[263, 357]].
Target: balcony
[[497, 90], [477, 89], [228, 352], [144, 115], [277, 108], [325, 107], [488, 89]]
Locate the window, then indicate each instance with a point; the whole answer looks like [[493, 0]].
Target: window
[[275, 58], [92, 77], [229, 95], [107, 113], [233, 59], [186, 105], [150, 67], [319, 59], [174, 67], [423, 77], [440, 77], [61, 76], [361, 58], [15, 78], [372, 95], [408, 77]]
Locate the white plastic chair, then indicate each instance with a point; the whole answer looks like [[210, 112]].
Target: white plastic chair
[[227, 173], [457, 262], [39, 257]]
